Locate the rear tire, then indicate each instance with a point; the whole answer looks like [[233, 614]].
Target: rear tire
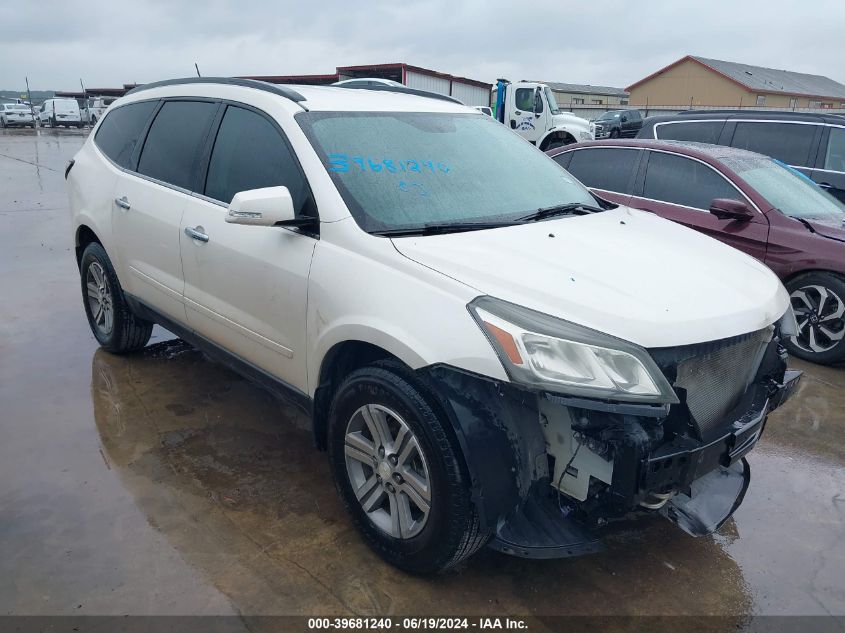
[[111, 320], [818, 299], [387, 397]]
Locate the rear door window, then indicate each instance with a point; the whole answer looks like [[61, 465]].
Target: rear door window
[[698, 131], [684, 181], [788, 142], [249, 153], [120, 130], [610, 169], [174, 140]]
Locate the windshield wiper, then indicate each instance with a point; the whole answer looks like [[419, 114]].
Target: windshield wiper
[[571, 208], [435, 228]]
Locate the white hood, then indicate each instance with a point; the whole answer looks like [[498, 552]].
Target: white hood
[[628, 273], [568, 120]]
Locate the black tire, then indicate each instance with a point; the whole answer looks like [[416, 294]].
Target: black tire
[[806, 291], [52, 122], [127, 333], [2, 123], [451, 532], [614, 133]]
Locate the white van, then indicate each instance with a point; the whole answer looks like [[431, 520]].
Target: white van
[[55, 112]]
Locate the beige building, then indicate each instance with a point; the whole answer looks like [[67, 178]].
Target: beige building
[[698, 81], [568, 95]]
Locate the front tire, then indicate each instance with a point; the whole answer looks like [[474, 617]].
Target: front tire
[[614, 133], [399, 471], [818, 299], [112, 322]]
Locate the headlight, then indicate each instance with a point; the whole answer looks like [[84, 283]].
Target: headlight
[[543, 352]]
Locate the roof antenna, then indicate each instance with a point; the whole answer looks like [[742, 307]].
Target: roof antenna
[[198, 69]]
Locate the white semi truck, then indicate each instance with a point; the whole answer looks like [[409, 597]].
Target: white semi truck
[[530, 109]]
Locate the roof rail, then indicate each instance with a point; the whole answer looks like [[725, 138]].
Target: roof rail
[[282, 91], [752, 111], [403, 90]]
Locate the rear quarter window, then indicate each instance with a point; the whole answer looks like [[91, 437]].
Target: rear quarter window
[[609, 168], [120, 130], [699, 131]]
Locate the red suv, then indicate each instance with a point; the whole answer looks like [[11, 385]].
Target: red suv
[[750, 201]]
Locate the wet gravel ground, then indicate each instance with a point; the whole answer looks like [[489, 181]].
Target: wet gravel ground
[[162, 483]]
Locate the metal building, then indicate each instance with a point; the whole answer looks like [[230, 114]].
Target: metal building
[[469, 91]]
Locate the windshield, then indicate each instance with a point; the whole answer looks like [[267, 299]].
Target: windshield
[[406, 170], [607, 116], [788, 189], [554, 108]]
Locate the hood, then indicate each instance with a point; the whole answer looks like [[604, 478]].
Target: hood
[[565, 119], [828, 228], [624, 272]]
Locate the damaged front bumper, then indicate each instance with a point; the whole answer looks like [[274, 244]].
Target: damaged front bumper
[[547, 470]]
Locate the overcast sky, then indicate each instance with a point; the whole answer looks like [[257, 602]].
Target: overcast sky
[[602, 43]]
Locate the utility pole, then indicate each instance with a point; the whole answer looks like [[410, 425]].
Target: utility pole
[[31, 108], [85, 99]]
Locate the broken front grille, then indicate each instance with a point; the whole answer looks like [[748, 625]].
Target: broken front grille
[[715, 375]]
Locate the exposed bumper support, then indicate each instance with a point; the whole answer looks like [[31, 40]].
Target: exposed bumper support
[[498, 426]]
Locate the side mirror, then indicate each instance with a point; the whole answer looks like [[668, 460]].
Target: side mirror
[[538, 101], [270, 206], [624, 119], [726, 209]]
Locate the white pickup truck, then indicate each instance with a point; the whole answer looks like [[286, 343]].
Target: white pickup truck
[[531, 110]]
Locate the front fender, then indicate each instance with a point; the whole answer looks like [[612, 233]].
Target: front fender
[[497, 425], [384, 335]]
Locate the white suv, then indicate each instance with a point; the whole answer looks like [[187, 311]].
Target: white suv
[[489, 353]]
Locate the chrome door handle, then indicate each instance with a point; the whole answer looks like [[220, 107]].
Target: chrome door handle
[[123, 203], [825, 185], [196, 233]]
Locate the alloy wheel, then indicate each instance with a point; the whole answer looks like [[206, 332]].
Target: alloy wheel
[[388, 471], [100, 298], [819, 312]]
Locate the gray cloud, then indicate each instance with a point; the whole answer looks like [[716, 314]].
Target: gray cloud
[[611, 43]]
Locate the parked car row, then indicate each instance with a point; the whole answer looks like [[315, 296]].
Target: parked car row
[[814, 144], [490, 353], [57, 112]]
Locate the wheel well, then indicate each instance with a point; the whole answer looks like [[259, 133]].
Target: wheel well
[[566, 137], [798, 273], [339, 362], [84, 236]]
